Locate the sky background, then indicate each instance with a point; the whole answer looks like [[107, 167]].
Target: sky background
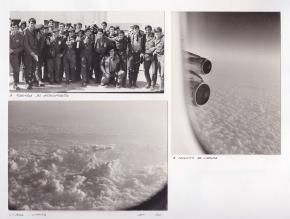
[[146, 120], [154, 18]]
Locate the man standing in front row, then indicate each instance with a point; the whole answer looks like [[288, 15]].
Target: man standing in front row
[[69, 59], [31, 57], [121, 46], [16, 46], [101, 47], [86, 57], [135, 55], [149, 60], [159, 52], [55, 48]]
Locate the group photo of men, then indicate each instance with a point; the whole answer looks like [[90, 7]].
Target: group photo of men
[[50, 55]]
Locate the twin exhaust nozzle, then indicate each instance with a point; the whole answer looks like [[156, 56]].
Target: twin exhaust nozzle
[[197, 66]]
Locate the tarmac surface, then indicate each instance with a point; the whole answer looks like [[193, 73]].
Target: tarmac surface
[[76, 87]]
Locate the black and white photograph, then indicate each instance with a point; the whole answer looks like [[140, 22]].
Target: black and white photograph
[[87, 155], [231, 81], [86, 51]]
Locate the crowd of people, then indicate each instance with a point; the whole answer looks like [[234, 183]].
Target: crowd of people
[[62, 52]]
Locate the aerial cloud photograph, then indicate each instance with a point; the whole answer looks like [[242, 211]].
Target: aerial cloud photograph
[[87, 155]]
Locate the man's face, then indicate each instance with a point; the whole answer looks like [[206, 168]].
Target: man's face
[[112, 31], [50, 23], [61, 28], [88, 33], [121, 36], [55, 34], [70, 34], [104, 26], [148, 31], [45, 30], [136, 30], [31, 25], [158, 35], [14, 29], [78, 26], [99, 35], [112, 52], [66, 27], [23, 26]]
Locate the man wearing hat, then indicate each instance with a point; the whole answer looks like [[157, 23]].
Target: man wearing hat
[[159, 52], [135, 55], [16, 46], [31, 57]]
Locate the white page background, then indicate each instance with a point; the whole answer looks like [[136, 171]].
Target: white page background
[[238, 187]]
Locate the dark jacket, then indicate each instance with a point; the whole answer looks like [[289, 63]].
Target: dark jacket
[[54, 48], [16, 43], [70, 49], [30, 42], [122, 45], [86, 48], [137, 43], [102, 46]]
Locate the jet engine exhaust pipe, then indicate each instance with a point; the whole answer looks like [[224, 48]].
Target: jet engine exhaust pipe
[[200, 92], [198, 64]]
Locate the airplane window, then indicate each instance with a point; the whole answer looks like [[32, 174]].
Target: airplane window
[[232, 86]]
